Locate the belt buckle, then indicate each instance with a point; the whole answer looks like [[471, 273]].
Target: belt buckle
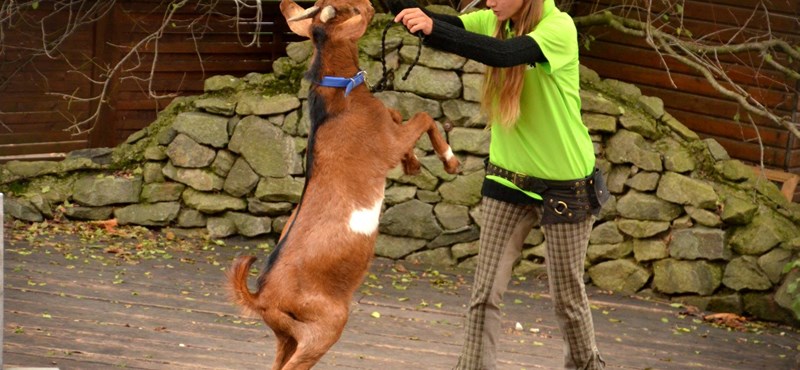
[[560, 207], [517, 179]]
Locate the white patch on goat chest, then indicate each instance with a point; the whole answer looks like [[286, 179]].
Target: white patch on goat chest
[[365, 220]]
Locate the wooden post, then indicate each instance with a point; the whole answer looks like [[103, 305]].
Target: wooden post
[[102, 134], [788, 181], [2, 273]]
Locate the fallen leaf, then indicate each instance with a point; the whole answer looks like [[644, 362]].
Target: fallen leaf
[[400, 268], [114, 250], [731, 320], [690, 311], [108, 225]]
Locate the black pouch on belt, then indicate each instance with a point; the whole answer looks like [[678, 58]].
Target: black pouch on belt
[[569, 201], [574, 203], [598, 193], [564, 206]]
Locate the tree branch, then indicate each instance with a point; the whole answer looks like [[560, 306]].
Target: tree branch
[[697, 55]]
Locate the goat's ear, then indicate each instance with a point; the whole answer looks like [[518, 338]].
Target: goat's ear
[[301, 27], [351, 29]]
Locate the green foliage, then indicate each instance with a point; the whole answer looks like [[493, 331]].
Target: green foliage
[[18, 187], [176, 6], [289, 84], [680, 31], [586, 41], [129, 155]]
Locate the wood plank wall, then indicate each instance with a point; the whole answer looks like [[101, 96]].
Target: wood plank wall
[[692, 100], [33, 123]]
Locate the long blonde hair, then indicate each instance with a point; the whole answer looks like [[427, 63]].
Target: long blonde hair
[[502, 87]]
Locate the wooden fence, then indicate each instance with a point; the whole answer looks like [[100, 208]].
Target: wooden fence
[[692, 100], [33, 121]]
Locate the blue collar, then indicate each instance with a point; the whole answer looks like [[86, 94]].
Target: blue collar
[[348, 83]]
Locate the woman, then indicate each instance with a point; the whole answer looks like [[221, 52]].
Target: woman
[[541, 167]]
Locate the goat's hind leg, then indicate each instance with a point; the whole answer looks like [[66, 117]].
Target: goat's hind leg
[[314, 339], [286, 346], [440, 145]]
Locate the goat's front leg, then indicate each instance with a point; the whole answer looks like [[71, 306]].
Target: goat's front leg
[[424, 123], [410, 161]]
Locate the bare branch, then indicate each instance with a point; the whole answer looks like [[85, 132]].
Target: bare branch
[[702, 56], [660, 24], [255, 20], [157, 36], [87, 125], [77, 18]]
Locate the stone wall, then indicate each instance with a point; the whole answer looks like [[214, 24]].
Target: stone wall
[[686, 222]]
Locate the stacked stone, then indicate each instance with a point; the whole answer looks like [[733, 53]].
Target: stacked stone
[[231, 163], [685, 220]]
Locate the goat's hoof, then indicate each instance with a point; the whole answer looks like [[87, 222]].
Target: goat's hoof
[[411, 167], [453, 166], [411, 171]]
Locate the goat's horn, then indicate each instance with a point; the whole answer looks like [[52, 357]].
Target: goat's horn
[[328, 13], [308, 13]]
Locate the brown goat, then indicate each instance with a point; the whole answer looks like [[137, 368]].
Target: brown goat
[[305, 289]]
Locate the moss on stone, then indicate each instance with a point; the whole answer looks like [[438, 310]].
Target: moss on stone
[[126, 155], [17, 187], [286, 84]]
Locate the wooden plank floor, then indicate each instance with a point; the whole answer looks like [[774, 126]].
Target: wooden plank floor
[[74, 303]]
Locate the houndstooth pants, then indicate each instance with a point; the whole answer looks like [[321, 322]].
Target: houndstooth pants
[[505, 226]]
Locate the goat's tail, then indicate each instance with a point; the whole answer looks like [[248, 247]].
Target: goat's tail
[[237, 282]]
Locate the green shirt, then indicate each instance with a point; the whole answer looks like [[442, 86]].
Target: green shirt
[[549, 140]]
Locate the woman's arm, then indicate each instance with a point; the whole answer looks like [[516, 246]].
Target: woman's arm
[[487, 50]]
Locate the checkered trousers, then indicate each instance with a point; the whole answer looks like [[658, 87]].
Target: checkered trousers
[[504, 228]]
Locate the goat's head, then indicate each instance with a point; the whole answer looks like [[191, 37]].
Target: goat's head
[[342, 19]]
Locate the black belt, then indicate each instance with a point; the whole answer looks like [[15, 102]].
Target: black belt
[[538, 185]]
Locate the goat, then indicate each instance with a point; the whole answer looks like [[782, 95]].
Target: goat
[[324, 252]]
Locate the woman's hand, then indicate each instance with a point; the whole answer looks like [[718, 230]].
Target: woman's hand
[[415, 20]]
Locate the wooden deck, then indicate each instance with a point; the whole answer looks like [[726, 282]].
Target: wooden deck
[[75, 303]]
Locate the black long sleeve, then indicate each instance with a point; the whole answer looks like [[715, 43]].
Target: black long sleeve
[[487, 50], [451, 19]]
